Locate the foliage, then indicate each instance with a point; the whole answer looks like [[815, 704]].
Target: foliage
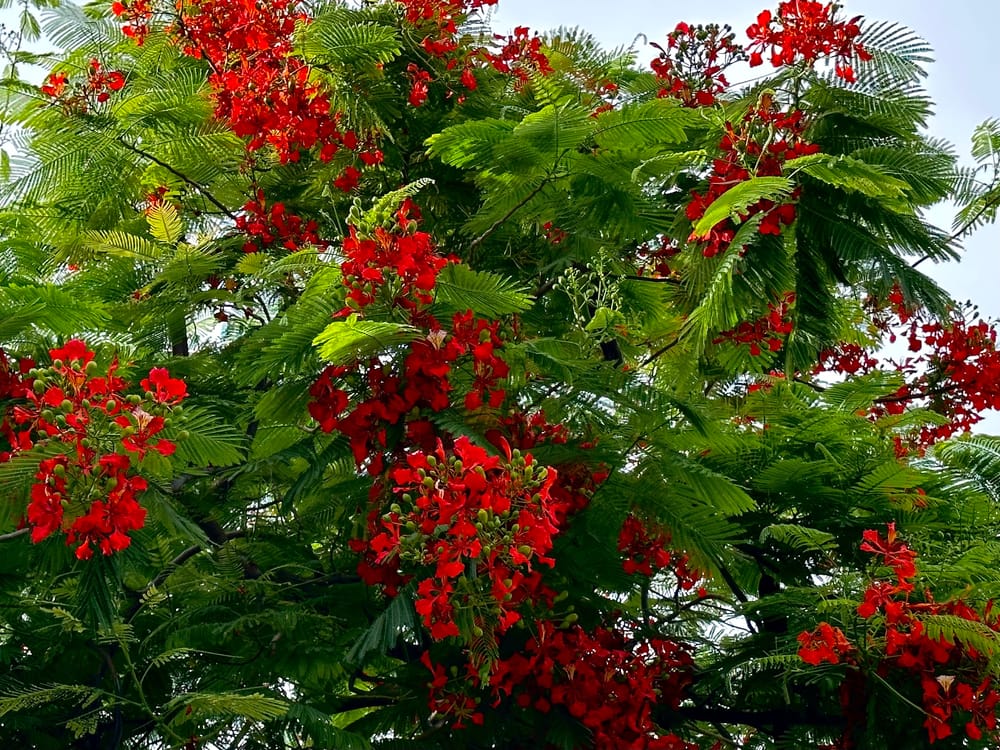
[[370, 380]]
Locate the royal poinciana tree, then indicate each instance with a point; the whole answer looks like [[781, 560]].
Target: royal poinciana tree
[[372, 379]]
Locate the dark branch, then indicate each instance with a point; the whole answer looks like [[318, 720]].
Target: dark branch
[[180, 175]]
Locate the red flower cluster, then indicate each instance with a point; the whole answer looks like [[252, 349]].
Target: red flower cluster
[[955, 370], [806, 30], [96, 89], [519, 54], [954, 677], [850, 359], [602, 680], [398, 267], [646, 551], [470, 526], [423, 384], [400, 264], [136, 15], [453, 697], [768, 329], [693, 65], [15, 385], [759, 148], [97, 427], [262, 91], [654, 258], [267, 227], [442, 12], [824, 644]]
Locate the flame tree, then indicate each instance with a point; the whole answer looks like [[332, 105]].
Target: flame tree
[[374, 380]]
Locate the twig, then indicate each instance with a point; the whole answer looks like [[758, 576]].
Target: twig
[[196, 185], [13, 534], [521, 204]]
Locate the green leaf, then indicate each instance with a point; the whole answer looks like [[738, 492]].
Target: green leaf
[[345, 341], [398, 620], [735, 201], [165, 222], [489, 294], [253, 706], [849, 174], [211, 439]]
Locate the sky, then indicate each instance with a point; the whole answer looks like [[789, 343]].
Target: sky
[[962, 82]]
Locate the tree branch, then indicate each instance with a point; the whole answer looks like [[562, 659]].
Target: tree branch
[[520, 204], [180, 175]]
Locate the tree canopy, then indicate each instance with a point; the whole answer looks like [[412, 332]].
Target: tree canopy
[[374, 380]]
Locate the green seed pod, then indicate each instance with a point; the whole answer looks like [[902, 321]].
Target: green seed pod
[[91, 367], [428, 482], [38, 386], [66, 405], [110, 405], [477, 631], [85, 403], [183, 435], [59, 470], [525, 550]]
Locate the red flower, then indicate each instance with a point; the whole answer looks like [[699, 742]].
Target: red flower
[[54, 85], [165, 389], [825, 644]]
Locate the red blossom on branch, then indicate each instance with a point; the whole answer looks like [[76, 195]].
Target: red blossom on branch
[[806, 30], [90, 489]]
